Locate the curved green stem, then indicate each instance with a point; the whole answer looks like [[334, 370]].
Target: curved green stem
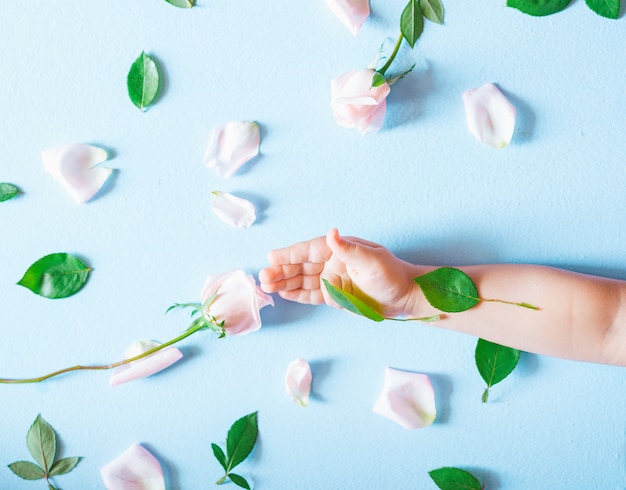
[[522, 304], [103, 367], [392, 57]]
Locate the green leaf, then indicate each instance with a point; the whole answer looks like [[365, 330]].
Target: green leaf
[[605, 8], [220, 456], [494, 362], [64, 465], [412, 22], [378, 79], [449, 478], [351, 303], [27, 470], [8, 191], [433, 10], [57, 275], [183, 4], [143, 81], [241, 439], [538, 8], [448, 289], [238, 480], [41, 443]]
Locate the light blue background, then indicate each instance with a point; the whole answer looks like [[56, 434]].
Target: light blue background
[[423, 186]]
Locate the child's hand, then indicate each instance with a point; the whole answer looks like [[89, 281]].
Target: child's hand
[[362, 268]]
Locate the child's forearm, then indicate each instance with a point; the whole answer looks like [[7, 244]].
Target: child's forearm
[[580, 317]]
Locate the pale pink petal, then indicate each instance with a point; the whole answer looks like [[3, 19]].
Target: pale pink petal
[[352, 13], [145, 366], [75, 168], [298, 381], [134, 469], [233, 210], [407, 398], [237, 302], [232, 145], [490, 116]]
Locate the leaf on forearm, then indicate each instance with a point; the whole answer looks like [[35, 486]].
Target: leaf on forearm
[[412, 22], [494, 362], [450, 478], [432, 10], [239, 480], [241, 439], [143, 81], [27, 470], [351, 303], [605, 8], [41, 443], [183, 4], [538, 8], [54, 276], [64, 465], [8, 191], [448, 289]]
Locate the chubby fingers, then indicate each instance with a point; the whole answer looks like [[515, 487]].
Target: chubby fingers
[[315, 250], [290, 277]]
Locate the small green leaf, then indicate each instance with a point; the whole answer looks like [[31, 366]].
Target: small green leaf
[[27, 470], [41, 442], [433, 10], [238, 480], [378, 79], [605, 8], [412, 22], [57, 275], [494, 362], [220, 456], [241, 439], [449, 478], [538, 8], [448, 289], [351, 303], [183, 4], [63, 465], [143, 81], [8, 191]]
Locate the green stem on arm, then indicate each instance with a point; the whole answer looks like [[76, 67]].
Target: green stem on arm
[[392, 57]]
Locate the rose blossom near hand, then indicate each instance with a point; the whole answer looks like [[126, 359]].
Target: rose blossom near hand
[[237, 301], [356, 103], [298, 381]]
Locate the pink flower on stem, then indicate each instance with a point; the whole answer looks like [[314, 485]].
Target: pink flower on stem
[[134, 469], [298, 381], [352, 13], [356, 103]]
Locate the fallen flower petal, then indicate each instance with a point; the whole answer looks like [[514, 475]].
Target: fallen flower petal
[[145, 366], [134, 469], [232, 145], [298, 381], [352, 13], [237, 301], [74, 166], [233, 210], [356, 103], [490, 116], [407, 398]]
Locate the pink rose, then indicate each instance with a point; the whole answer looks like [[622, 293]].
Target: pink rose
[[237, 302], [356, 103]]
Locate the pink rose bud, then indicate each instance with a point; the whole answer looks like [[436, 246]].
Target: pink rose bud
[[352, 13]]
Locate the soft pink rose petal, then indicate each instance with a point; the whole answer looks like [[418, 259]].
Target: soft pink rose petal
[[356, 104], [237, 302], [298, 381], [74, 167], [233, 210], [232, 145], [490, 116], [352, 13], [407, 398], [145, 366], [134, 469]]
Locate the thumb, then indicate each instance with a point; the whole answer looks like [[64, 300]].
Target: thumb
[[354, 253]]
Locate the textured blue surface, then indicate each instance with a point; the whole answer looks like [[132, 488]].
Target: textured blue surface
[[423, 186]]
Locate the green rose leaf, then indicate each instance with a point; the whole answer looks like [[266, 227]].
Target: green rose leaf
[[412, 22], [8, 191], [241, 439], [494, 362], [605, 8], [449, 478], [27, 470], [448, 289], [57, 275], [238, 480], [433, 10], [183, 4], [538, 8], [143, 81], [220, 456], [351, 303], [64, 465], [41, 443]]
